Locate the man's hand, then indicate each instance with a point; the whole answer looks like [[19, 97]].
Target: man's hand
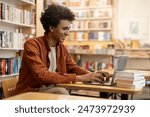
[[93, 76], [106, 75]]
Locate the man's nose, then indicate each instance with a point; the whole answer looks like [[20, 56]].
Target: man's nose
[[67, 33]]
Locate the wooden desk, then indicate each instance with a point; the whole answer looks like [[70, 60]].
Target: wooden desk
[[109, 89], [47, 96]]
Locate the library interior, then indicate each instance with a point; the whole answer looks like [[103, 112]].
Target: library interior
[[107, 36]]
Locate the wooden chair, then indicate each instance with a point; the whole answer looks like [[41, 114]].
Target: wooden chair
[[8, 86]]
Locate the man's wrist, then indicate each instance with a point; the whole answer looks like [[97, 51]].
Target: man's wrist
[[79, 78]]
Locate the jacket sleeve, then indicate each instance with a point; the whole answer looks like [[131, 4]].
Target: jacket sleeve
[[39, 70], [72, 66]]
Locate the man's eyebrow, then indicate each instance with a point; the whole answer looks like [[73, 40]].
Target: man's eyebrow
[[66, 27]]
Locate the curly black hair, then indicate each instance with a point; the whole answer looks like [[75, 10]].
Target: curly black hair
[[53, 14]]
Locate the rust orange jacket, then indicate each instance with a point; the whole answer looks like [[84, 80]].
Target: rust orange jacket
[[35, 64]]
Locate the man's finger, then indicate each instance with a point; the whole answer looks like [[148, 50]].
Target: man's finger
[[101, 77], [98, 80]]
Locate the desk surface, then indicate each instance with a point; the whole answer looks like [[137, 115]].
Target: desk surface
[[90, 87], [47, 96]]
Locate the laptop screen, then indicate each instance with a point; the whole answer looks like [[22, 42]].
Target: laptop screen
[[120, 65]]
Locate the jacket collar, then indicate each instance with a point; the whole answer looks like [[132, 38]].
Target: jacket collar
[[45, 39]]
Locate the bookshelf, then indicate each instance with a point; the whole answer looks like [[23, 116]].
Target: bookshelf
[[139, 58], [17, 21], [91, 33], [93, 24]]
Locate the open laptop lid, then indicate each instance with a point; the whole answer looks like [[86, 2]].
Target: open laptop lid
[[120, 66]]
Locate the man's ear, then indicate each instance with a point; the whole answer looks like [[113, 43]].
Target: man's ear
[[51, 28]]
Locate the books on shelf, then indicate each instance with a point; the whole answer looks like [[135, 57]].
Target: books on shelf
[[103, 24], [94, 3], [89, 3], [96, 65], [99, 13], [85, 49], [99, 24], [74, 3], [14, 14], [11, 39], [91, 35], [10, 65], [17, 21], [93, 13]]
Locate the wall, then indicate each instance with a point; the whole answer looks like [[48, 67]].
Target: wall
[[132, 19]]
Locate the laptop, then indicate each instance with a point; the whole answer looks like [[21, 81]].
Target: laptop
[[120, 66]]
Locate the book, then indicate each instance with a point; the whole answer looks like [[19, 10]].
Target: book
[[0, 67], [130, 81], [130, 73], [127, 77], [131, 86]]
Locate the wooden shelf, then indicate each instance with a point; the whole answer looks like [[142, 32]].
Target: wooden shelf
[[20, 2], [139, 58], [97, 54], [93, 18], [90, 7], [27, 2], [89, 40], [17, 24], [11, 49], [136, 57], [90, 29], [132, 49]]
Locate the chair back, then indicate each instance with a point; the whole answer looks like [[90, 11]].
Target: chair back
[[8, 86]]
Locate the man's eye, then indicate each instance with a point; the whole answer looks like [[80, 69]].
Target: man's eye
[[64, 28]]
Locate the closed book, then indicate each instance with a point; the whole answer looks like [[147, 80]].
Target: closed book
[[3, 65], [3, 11], [0, 66], [131, 73], [130, 77], [128, 81], [19, 62], [0, 10], [131, 86], [15, 69]]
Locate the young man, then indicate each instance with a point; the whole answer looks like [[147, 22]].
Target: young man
[[46, 61]]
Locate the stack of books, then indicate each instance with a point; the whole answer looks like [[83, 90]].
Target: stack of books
[[131, 79]]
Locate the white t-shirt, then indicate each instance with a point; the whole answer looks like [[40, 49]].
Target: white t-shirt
[[52, 57]]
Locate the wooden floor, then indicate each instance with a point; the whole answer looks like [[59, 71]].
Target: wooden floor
[[144, 96]]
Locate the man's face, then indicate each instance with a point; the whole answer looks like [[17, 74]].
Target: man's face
[[62, 30]]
